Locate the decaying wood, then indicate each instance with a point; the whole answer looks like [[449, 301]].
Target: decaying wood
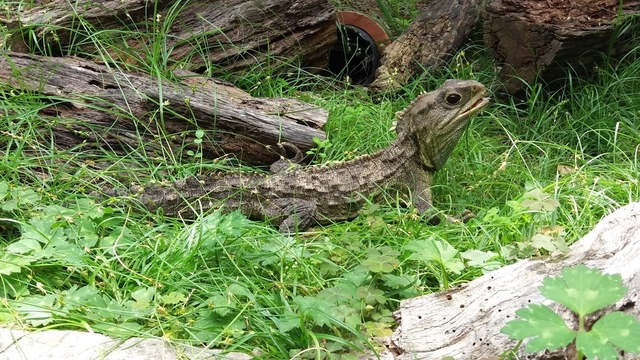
[[546, 38], [465, 322], [431, 39], [232, 34], [95, 107]]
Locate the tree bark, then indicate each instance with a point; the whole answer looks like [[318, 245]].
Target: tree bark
[[429, 41], [92, 107], [465, 322], [533, 38], [232, 34]]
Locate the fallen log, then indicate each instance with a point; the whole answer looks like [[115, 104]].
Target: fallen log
[[428, 42], [91, 107], [232, 34], [534, 38], [465, 322]]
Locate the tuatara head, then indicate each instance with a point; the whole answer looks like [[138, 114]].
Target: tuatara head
[[436, 120]]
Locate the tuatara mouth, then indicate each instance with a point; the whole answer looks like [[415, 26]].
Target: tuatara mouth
[[479, 104]]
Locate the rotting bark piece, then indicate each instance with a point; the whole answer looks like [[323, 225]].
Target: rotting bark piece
[[98, 107], [430, 40], [546, 38]]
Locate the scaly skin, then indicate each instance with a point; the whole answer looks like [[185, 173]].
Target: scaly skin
[[428, 131]]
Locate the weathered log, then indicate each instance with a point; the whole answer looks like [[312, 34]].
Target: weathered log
[[531, 38], [94, 106], [232, 34], [465, 322], [431, 39]]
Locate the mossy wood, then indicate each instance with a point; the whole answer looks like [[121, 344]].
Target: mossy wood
[[232, 35], [90, 106], [548, 38], [465, 322]]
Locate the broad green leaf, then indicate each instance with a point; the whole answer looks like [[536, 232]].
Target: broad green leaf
[[4, 189], [436, 250], [357, 276], [24, 246], [38, 311], [384, 261], [487, 260], [43, 230], [67, 253], [405, 284], [173, 298], [377, 329], [144, 294], [371, 295], [477, 257], [539, 200], [315, 309], [542, 241], [58, 211], [346, 314], [583, 290], [546, 327], [18, 198], [237, 289], [287, 321], [338, 294], [85, 296], [221, 304], [620, 329], [13, 263], [383, 316], [12, 287], [593, 346], [143, 298], [88, 207], [85, 233], [561, 245], [110, 310]]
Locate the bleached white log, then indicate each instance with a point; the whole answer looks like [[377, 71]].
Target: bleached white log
[[465, 322]]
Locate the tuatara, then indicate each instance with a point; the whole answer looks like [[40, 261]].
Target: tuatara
[[428, 131]]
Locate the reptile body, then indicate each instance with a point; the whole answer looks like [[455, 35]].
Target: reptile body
[[428, 131]]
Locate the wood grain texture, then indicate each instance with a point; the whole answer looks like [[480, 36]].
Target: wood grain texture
[[547, 38], [92, 107], [232, 34]]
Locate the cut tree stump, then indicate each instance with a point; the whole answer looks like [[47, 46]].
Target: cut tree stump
[[465, 322], [232, 34], [428, 42], [546, 38], [94, 107]]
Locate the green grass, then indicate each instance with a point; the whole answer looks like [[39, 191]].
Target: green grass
[[70, 260]]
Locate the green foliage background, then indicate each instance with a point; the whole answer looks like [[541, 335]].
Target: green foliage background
[[539, 171]]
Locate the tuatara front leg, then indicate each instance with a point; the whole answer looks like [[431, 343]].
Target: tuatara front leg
[[421, 196], [292, 214], [422, 200]]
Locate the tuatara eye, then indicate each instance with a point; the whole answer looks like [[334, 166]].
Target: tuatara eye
[[453, 98]]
